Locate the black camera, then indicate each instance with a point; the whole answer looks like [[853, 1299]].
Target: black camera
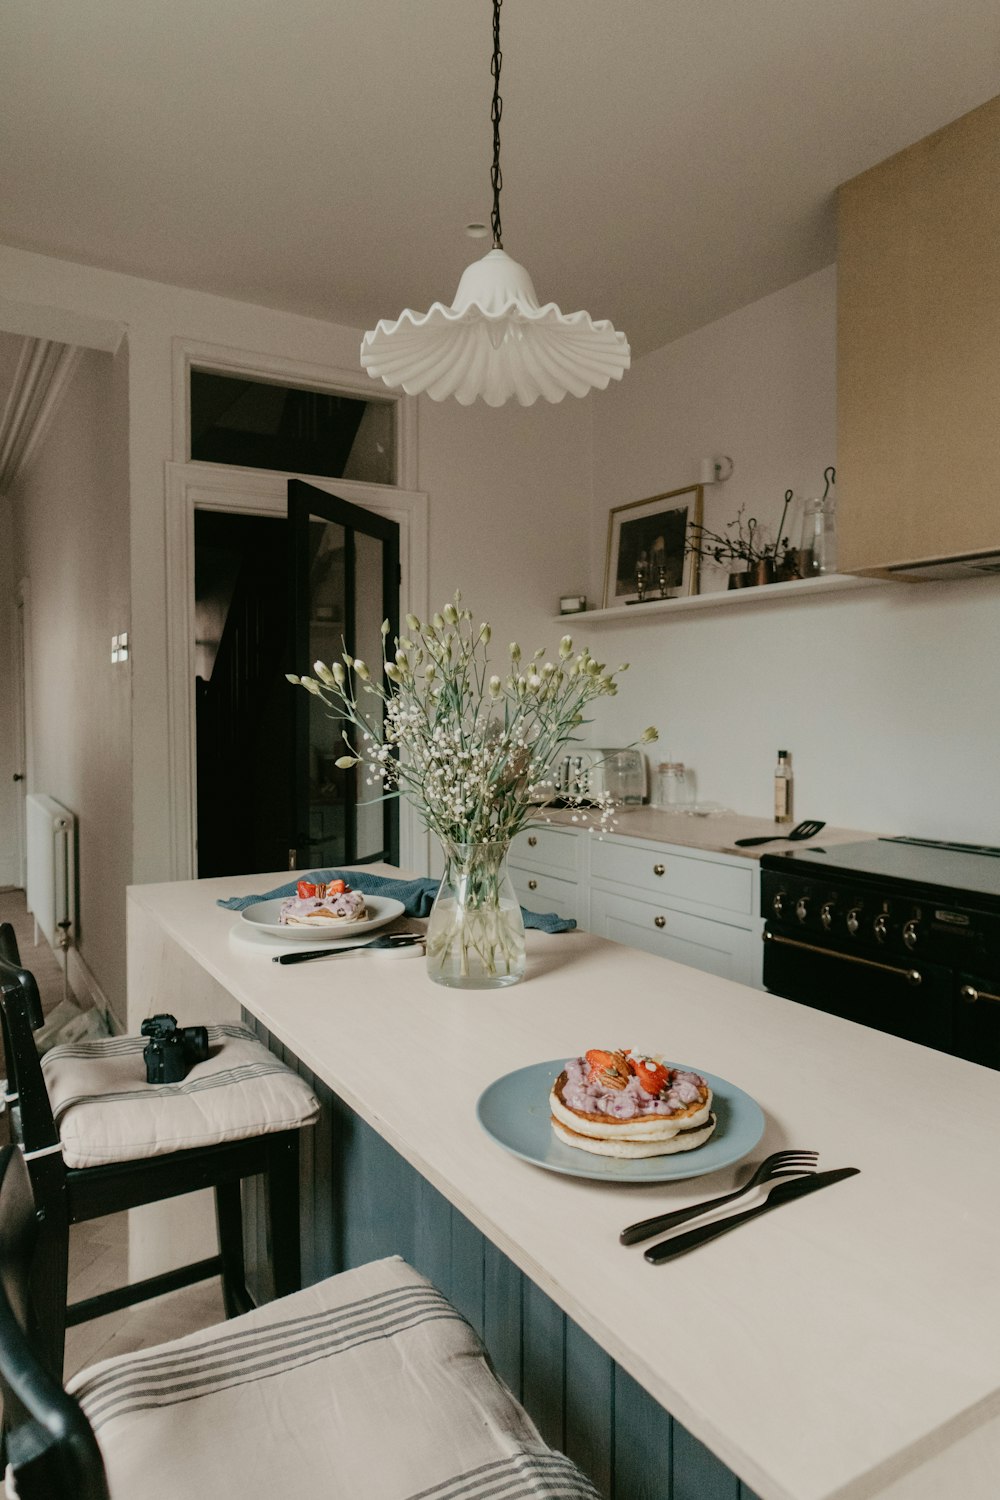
[[171, 1050]]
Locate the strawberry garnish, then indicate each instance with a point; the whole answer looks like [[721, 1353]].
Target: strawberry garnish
[[653, 1076], [336, 888], [305, 889]]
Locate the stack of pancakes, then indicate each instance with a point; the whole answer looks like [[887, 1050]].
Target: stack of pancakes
[[642, 1135]]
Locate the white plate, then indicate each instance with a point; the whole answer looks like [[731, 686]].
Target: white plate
[[263, 917]]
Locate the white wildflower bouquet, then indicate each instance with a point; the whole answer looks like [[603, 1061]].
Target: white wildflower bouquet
[[469, 749]]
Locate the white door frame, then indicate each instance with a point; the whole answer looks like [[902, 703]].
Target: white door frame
[[218, 487]]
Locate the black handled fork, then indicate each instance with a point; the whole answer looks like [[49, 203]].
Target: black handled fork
[[781, 1164]]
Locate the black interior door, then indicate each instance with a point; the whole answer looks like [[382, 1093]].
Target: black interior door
[[344, 583]]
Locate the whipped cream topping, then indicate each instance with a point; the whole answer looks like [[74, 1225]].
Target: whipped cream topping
[[349, 906], [586, 1094]]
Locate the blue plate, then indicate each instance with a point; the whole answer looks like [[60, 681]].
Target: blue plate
[[515, 1112]]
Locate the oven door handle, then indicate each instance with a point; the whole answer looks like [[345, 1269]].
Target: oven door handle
[[971, 994], [912, 976]]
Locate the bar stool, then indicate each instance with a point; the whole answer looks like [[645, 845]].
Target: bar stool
[[98, 1139], [369, 1383]]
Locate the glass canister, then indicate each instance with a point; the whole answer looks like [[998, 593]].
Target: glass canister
[[673, 790], [818, 544]]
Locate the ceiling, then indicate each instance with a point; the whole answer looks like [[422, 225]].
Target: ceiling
[[665, 161]]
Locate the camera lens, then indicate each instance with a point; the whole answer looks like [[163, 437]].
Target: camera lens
[[196, 1042]]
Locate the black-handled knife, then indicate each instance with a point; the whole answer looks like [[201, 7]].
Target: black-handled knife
[[391, 940], [679, 1244]]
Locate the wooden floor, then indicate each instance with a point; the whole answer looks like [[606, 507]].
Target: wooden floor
[[98, 1251]]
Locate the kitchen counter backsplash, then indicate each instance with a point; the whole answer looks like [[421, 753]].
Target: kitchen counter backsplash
[[716, 832]]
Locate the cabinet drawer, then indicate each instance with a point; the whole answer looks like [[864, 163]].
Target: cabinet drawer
[[715, 947], [538, 892], [663, 873], [554, 849]]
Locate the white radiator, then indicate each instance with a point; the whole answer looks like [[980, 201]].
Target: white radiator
[[51, 873]]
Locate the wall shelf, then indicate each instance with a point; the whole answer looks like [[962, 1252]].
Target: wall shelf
[[763, 594]]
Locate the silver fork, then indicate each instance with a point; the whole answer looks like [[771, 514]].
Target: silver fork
[[781, 1164]]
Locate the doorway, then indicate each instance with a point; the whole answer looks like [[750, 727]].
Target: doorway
[[242, 708], [221, 490], [269, 794]]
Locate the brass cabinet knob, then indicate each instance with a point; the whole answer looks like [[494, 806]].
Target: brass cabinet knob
[[532, 885], [659, 921], [659, 869], [532, 841]]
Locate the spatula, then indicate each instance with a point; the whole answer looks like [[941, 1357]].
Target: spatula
[[805, 830]]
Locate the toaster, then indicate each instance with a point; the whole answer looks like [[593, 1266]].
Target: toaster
[[592, 772]]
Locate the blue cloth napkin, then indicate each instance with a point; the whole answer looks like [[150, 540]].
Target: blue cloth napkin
[[416, 895]]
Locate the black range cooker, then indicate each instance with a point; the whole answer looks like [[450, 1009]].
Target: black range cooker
[[901, 934]]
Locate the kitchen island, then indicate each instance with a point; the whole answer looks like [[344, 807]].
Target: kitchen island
[[844, 1346]]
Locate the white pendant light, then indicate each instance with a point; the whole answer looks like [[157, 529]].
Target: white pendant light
[[495, 340]]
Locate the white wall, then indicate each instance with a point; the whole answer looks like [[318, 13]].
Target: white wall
[[70, 512], [9, 812], [509, 511], [886, 697]]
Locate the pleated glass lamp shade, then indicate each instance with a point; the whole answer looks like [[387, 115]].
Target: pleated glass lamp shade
[[496, 342]]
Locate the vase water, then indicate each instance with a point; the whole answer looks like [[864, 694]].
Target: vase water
[[475, 935]]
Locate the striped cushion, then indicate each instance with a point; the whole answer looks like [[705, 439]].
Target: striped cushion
[[368, 1386], [107, 1112]]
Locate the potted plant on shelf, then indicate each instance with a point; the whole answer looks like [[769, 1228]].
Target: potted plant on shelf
[[745, 549]]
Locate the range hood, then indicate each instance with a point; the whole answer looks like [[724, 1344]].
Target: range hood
[[969, 565]]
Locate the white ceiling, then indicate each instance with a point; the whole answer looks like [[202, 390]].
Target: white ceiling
[[665, 161]]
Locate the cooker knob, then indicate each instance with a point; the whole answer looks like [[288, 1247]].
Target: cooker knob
[[778, 904], [826, 914], [881, 927], [854, 920], [910, 932], [802, 908]]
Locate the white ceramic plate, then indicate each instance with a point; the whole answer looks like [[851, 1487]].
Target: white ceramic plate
[[263, 917]]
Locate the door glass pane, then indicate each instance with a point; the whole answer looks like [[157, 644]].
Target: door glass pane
[[368, 635], [330, 790]]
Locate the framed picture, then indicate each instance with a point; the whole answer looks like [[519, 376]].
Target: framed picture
[[647, 554]]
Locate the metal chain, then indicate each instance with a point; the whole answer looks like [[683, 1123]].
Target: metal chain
[[496, 176]]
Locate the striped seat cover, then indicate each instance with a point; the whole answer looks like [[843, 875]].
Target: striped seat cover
[[106, 1111], [367, 1386]]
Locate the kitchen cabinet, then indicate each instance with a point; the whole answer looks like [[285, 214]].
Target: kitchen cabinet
[[544, 868], [696, 907], [918, 370]]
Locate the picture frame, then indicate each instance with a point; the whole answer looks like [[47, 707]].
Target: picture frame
[[658, 529]]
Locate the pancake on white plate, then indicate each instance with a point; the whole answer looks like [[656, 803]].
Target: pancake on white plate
[[630, 1105]]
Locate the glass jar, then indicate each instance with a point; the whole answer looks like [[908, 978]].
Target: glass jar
[[672, 786], [818, 546]]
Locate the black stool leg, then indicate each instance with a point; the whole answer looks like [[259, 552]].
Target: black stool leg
[[281, 1190], [229, 1218], [49, 1279]]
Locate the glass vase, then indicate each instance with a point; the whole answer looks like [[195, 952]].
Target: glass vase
[[475, 935]]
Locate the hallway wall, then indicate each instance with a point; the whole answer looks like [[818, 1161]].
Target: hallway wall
[[70, 524]]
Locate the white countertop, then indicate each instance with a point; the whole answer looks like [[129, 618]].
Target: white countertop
[[844, 1346], [716, 833]]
